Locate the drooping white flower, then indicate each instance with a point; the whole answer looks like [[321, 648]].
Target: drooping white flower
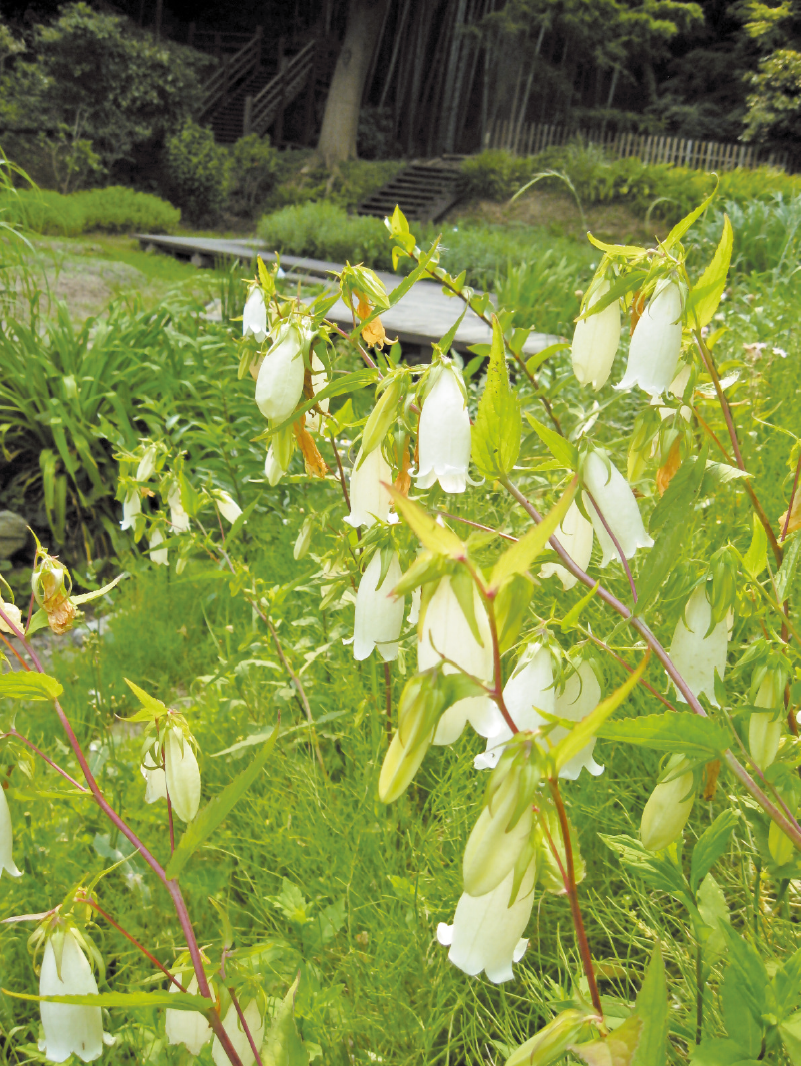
[[279, 385], [575, 535], [69, 1029], [379, 614], [486, 932], [273, 470], [183, 774], [368, 497], [445, 630], [147, 464], [580, 696], [237, 1035], [527, 692], [155, 780], [179, 519], [444, 436], [13, 613], [656, 342], [160, 556], [254, 316], [319, 380], [595, 341], [616, 501], [187, 1027], [6, 839], [229, 508], [131, 507], [695, 655]]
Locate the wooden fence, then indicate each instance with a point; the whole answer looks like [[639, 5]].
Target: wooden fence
[[525, 139]]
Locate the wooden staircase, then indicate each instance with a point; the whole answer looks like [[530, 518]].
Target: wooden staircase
[[424, 191]]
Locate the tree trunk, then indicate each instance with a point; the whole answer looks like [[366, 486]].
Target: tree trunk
[[341, 118]]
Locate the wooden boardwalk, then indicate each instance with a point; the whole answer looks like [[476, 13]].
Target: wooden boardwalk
[[420, 318]]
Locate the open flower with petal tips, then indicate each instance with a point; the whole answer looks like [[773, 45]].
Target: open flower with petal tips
[[487, 931], [379, 614], [444, 437], [616, 502], [229, 508], [69, 1029], [254, 316], [656, 342], [131, 507], [369, 499]]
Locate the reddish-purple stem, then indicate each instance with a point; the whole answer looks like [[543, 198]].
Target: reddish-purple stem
[[13, 733], [615, 541], [786, 525], [245, 1027]]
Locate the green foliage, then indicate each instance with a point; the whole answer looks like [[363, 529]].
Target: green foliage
[[197, 171], [326, 231], [115, 209], [253, 173], [494, 174], [303, 179]]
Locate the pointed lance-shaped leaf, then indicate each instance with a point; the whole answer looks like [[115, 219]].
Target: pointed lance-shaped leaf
[[496, 433], [519, 557]]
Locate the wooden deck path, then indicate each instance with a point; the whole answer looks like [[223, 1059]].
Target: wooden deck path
[[420, 318]]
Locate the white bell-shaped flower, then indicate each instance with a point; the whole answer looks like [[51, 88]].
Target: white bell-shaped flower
[[254, 316], [379, 614], [616, 501], [160, 556], [319, 380], [179, 519], [147, 464], [155, 780], [695, 655], [595, 341], [527, 692], [237, 1035], [229, 508], [369, 499], [279, 385], [444, 436], [579, 697], [656, 342], [13, 614], [445, 631], [187, 1027], [273, 470], [183, 774], [575, 535], [487, 931], [131, 507], [69, 1029], [6, 839]]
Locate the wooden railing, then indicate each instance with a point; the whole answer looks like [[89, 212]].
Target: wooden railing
[[232, 69], [528, 139], [261, 109]]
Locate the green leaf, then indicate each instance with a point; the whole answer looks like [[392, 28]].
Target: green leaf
[[659, 871], [790, 1032], [432, 535], [588, 727], [628, 251], [359, 379], [652, 1009], [217, 809], [496, 433], [756, 558], [706, 293], [681, 228], [536, 361], [38, 621], [711, 845], [282, 1045], [519, 557], [571, 618], [560, 447], [743, 1023], [720, 474], [714, 1052], [152, 708], [622, 286], [130, 1000], [673, 731], [750, 976], [786, 574], [714, 911], [27, 685], [85, 597]]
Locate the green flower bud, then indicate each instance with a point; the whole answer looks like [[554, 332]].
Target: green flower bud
[[383, 415], [550, 1043], [668, 807], [550, 870], [781, 847], [417, 720], [724, 568], [765, 729], [304, 539]]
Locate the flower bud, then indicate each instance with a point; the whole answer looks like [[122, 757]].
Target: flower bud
[[697, 653], [724, 568], [160, 556], [303, 540], [656, 342], [379, 614], [382, 416], [487, 930], [765, 730], [668, 807], [179, 519], [368, 497], [279, 385], [155, 779], [14, 616], [595, 341], [417, 719], [68, 1028], [187, 1027], [781, 847], [503, 828], [548, 835], [237, 1035], [183, 775], [616, 503], [254, 316], [147, 464], [6, 839], [446, 631], [550, 1043], [131, 507], [444, 434], [575, 535], [273, 470], [228, 507]]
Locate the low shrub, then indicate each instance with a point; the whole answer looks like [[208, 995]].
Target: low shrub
[[253, 174], [197, 171], [304, 181], [115, 209], [325, 231]]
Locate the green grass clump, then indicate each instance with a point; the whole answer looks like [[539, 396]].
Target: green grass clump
[[116, 209], [325, 231]]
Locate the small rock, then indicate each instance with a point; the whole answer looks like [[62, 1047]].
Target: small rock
[[13, 534]]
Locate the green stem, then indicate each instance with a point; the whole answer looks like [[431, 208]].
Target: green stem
[[699, 994]]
